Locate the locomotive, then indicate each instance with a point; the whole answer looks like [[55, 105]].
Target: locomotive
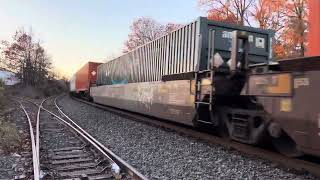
[[222, 76]]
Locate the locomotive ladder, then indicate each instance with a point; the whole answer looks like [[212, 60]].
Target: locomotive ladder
[[198, 93], [199, 76]]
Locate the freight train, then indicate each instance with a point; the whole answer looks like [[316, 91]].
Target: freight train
[[85, 78], [222, 76]]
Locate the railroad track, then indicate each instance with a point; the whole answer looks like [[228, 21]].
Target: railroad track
[[298, 165], [61, 149], [34, 148]]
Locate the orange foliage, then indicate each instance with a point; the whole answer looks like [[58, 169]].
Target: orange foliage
[[270, 13], [287, 17], [280, 51], [292, 37], [232, 11], [216, 15], [314, 27]]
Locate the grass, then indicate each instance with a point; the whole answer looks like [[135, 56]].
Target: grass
[[9, 137]]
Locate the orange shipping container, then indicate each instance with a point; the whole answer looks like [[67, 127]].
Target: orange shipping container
[[86, 77]]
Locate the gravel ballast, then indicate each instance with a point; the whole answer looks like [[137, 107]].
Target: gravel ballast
[[161, 154]]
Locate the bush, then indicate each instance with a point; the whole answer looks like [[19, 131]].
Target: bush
[[54, 87]]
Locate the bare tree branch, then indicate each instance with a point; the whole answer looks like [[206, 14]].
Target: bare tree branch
[[144, 30]]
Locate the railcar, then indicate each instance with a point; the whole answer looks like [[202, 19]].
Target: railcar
[[83, 79], [222, 76]]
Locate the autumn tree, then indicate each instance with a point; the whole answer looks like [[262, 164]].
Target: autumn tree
[[231, 11], [270, 14], [146, 29], [216, 15], [296, 27], [26, 57], [287, 17], [289, 20]]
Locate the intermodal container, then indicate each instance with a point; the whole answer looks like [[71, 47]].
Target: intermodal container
[[86, 77], [187, 49]]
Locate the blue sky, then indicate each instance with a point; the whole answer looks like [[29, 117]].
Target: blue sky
[[76, 31]]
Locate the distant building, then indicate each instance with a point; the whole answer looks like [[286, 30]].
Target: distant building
[[9, 78]]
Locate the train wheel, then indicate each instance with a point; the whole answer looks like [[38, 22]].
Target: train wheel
[[286, 146]]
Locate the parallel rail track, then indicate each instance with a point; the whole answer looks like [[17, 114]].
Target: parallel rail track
[[35, 154], [92, 160], [299, 165]]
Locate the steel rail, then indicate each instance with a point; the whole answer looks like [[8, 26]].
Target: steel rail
[[105, 151], [85, 137], [128, 168], [38, 132], [115, 167], [35, 157]]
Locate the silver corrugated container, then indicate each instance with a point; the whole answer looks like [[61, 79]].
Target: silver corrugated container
[[184, 50]]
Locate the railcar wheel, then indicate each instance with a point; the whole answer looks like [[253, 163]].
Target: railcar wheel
[[286, 146]]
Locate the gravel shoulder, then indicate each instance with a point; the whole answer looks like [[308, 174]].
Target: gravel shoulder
[[161, 154]]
